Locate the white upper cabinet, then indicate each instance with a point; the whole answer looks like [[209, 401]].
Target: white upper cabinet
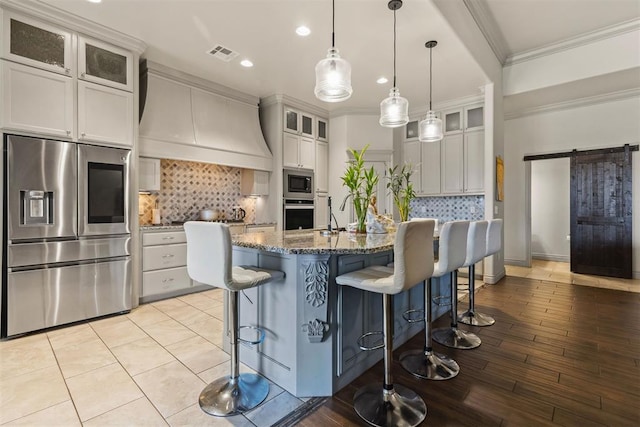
[[254, 183], [431, 167], [412, 153], [105, 64], [452, 121], [167, 112], [474, 161], [411, 131], [298, 122], [35, 100], [322, 129], [474, 117], [35, 43], [298, 152], [149, 174], [453, 164], [322, 167], [104, 114], [321, 210]]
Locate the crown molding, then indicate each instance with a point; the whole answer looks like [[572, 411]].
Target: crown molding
[[280, 98], [574, 42], [346, 111], [75, 23], [489, 27], [576, 103]]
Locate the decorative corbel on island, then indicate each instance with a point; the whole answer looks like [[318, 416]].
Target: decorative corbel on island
[[311, 324]]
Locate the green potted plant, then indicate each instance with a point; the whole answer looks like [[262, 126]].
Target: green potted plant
[[361, 183], [400, 186]]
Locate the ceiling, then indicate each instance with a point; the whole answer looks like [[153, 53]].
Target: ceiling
[[178, 33]]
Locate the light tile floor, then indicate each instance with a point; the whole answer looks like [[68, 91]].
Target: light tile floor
[[560, 272], [143, 368]]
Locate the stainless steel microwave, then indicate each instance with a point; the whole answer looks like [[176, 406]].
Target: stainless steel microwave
[[298, 183]]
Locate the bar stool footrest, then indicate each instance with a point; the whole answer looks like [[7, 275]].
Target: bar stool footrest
[[259, 335], [363, 337], [442, 301], [409, 315]]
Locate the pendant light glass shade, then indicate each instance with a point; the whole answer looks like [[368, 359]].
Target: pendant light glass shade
[[333, 78], [394, 110], [333, 74], [430, 129]]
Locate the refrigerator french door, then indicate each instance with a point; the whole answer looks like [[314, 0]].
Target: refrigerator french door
[[67, 241]]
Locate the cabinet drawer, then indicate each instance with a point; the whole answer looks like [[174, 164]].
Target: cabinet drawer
[[162, 281], [164, 238], [166, 256]]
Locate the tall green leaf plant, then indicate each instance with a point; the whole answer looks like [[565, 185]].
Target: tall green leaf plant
[[362, 183], [401, 188]]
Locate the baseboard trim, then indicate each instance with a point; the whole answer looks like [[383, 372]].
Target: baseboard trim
[[551, 257], [494, 278], [516, 262]]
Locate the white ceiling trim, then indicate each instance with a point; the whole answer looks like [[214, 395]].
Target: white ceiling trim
[[480, 12], [75, 23], [584, 39], [582, 102]]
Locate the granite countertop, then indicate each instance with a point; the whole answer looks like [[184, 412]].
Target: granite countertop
[[148, 227], [312, 242]]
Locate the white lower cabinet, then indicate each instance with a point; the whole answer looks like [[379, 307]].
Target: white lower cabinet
[[164, 264], [35, 100]]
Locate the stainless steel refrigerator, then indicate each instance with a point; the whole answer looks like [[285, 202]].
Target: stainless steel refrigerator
[[67, 239]]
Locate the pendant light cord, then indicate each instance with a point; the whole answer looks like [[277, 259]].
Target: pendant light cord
[[430, 75], [394, 48], [333, 24]]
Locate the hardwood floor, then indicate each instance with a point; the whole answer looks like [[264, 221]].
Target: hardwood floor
[[559, 354]]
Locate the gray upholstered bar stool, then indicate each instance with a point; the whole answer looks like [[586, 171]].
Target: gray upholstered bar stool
[[455, 256], [476, 251], [393, 404], [209, 255], [427, 363]]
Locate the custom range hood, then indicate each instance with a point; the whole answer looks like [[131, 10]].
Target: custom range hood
[[184, 117]]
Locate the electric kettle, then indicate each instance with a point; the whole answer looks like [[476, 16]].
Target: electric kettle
[[238, 214]]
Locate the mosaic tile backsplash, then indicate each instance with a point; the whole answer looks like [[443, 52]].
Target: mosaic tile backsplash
[[189, 187], [448, 208]]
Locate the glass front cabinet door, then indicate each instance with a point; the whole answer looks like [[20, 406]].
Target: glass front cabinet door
[[105, 64], [37, 44]]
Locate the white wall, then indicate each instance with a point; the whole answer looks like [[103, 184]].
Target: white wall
[[550, 209], [600, 125], [352, 131]]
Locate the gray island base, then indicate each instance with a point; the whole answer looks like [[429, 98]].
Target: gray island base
[[312, 325]]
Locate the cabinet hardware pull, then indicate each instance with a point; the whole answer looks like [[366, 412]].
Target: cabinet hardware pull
[[83, 134], [68, 132], [67, 70], [170, 279], [168, 238], [168, 256], [83, 74]]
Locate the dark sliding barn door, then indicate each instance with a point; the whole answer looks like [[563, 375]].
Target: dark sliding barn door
[[601, 213]]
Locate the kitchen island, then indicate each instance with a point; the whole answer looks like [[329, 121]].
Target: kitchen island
[[311, 324]]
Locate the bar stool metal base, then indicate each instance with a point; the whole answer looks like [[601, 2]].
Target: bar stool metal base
[[429, 365], [455, 338], [475, 319], [226, 397], [400, 407]]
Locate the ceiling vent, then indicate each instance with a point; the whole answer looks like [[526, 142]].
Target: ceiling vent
[[223, 53]]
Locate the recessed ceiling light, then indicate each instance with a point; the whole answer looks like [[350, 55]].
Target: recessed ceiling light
[[382, 80], [94, 1], [303, 31], [246, 63]]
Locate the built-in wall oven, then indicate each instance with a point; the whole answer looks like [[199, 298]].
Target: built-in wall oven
[[298, 214], [67, 241]]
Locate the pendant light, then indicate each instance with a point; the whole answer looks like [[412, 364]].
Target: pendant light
[[431, 126], [394, 110], [333, 74]]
